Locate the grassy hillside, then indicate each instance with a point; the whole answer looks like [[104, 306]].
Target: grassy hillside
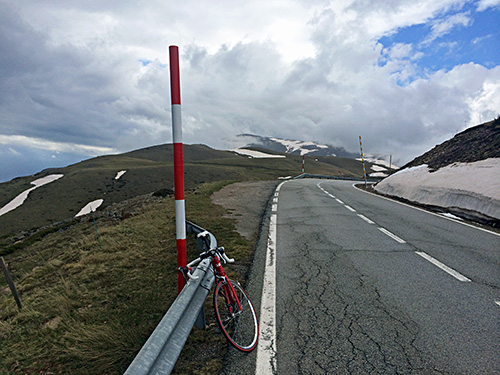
[[148, 170], [89, 308]]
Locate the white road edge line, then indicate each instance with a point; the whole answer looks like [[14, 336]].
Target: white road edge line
[[279, 187], [392, 235], [266, 349], [444, 267], [429, 212], [366, 219]]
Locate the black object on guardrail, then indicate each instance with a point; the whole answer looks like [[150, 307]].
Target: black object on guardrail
[[161, 350]]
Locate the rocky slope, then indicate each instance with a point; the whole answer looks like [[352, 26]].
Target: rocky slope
[[461, 175]]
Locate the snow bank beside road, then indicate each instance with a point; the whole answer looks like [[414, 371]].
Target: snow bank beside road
[[470, 186]]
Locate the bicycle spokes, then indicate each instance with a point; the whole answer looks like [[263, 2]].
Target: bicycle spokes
[[236, 315]]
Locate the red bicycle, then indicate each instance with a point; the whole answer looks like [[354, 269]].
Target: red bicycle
[[234, 311]]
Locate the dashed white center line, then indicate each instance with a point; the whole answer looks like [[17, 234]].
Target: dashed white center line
[[338, 200], [497, 302], [350, 208], [444, 267], [366, 219], [392, 235]]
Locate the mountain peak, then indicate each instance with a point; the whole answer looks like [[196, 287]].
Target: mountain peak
[[295, 147]]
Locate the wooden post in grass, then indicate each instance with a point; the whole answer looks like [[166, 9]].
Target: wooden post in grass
[[180, 209], [11, 283]]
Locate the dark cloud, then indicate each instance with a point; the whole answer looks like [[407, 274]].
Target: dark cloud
[[95, 77]]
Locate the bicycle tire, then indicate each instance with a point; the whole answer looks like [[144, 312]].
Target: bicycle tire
[[241, 328]]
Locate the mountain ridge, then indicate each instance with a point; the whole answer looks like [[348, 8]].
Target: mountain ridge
[[147, 170], [477, 143], [296, 147]]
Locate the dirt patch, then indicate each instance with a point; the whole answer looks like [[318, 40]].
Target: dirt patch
[[245, 202]]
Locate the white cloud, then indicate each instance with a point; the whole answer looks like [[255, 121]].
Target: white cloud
[[444, 26], [482, 5], [93, 77], [43, 144]]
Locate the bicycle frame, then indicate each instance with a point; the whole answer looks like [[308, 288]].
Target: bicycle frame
[[229, 292]]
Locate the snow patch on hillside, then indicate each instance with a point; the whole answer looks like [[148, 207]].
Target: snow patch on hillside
[[304, 147], [119, 174], [471, 186], [256, 154], [19, 200], [90, 207], [379, 171], [378, 160], [378, 168]]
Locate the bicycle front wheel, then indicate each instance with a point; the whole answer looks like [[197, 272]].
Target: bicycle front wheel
[[240, 326]]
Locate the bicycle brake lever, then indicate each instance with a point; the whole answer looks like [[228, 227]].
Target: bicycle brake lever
[[186, 271]]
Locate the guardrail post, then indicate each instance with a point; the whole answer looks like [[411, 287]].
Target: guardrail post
[[201, 321]]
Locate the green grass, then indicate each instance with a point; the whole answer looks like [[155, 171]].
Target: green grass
[[88, 309]]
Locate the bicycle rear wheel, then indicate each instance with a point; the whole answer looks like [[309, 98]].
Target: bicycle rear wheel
[[240, 327]]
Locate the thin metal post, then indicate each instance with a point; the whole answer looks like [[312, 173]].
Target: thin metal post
[[95, 227], [11, 283], [363, 161]]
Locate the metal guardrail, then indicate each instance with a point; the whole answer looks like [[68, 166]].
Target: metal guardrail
[[160, 352]]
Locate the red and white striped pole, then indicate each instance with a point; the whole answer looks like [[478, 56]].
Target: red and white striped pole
[[303, 162], [180, 208]]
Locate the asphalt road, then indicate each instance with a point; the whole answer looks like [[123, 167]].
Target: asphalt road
[[365, 285]]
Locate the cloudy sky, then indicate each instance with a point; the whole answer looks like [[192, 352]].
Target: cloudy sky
[[85, 78]]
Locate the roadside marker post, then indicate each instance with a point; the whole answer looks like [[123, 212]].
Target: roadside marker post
[[303, 162], [180, 208], [362, 160]]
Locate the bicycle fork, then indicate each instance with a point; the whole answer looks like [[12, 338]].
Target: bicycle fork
[[229, 292]]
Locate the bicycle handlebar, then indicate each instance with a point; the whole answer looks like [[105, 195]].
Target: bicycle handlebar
[[187, 271]]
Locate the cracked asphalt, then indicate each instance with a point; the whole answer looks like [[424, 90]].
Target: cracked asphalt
[[352, 300]]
